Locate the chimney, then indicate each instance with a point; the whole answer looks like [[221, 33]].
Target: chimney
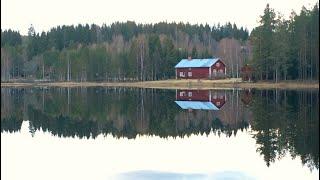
[[189, 58]]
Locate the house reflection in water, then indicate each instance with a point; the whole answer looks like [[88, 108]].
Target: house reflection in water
[[211, 110], [200, 99]]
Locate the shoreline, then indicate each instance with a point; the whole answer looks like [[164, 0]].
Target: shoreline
[[175, 84]]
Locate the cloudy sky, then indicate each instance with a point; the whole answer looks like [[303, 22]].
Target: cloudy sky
[[44, 14]]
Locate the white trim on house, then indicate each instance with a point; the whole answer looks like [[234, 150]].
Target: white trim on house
[[214, 72]]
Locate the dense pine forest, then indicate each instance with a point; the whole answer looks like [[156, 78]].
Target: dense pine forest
[[278, 49], [121, 51], [287, 48]]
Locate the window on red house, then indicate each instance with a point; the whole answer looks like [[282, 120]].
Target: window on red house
[[214, 71]]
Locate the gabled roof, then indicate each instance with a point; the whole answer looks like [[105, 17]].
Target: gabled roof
[[205, 105], [186, 63]]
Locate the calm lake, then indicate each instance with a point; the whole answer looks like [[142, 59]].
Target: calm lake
[[130, 133]]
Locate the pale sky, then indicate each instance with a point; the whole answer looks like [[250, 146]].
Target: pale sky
[[45, 14]]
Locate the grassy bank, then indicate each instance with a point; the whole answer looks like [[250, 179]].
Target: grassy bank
[[179, 84]]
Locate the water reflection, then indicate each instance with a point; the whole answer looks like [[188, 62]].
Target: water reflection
[[287, 121], [200, 99], [281, 121]]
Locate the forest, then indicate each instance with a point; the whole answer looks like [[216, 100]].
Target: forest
[[286, 48], [278, 49], [119, 52]]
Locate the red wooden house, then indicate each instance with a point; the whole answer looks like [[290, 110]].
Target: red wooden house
[[200, 69], [200, 99]]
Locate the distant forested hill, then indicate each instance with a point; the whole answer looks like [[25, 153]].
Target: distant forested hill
[[121, 51]]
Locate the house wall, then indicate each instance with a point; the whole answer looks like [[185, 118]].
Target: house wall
[[218, 71], [218, 99], [197, 73], [196, 95]]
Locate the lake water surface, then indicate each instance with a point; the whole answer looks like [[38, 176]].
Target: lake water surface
[[130, 133]]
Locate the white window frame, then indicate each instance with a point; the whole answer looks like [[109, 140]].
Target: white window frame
[[182, 93], [181, 74], [190, 74], [190, 94], [214, 72]]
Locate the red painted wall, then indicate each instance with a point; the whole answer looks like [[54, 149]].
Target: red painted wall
[[203, 72], [220, 67], [196, 73], [217, 98], [196, 95]]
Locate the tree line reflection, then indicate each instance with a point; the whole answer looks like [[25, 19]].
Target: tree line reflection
[[280, 121]]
